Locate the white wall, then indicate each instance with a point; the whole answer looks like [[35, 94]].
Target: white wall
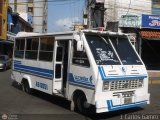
[[40, 13], [117, 8], [21, 5], [39, 16]]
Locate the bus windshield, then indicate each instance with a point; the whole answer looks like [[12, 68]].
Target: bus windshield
[[104, 53], [125, 51], [102, 50]]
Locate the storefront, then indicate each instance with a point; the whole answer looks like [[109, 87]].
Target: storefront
[[150, 49]]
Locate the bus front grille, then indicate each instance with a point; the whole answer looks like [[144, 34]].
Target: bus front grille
[[125, 84]]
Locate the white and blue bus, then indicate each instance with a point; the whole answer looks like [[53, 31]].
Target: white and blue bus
[[88, 68]]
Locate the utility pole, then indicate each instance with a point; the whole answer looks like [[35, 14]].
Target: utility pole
[[87, 14], [98, 14], [15, 5], [95, 13], [3, 19]]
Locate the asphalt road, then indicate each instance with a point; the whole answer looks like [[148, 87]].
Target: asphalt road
[[40, 106]]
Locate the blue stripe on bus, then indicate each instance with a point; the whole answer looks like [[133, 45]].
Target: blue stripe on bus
[[34, 70], [121, 77], [17, 62], [80, 82], [82, 85], [112, 107]]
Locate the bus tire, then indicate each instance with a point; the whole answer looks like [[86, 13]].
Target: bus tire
[[25, 87], [5, 67], [81, 102]]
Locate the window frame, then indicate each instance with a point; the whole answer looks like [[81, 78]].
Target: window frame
[[15, 47], [124, 56], [88, 65], [31, 48], [52, 52], [107, 50]]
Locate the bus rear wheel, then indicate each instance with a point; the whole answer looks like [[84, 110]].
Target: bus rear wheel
[[26, 88]]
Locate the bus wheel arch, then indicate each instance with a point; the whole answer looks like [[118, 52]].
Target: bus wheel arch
[[80, 101], [26, 86], [26, 77]]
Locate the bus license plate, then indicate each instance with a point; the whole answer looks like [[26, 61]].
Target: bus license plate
[[127, 100]]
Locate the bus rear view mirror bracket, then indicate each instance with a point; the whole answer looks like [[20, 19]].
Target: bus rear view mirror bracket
[[79, 45]]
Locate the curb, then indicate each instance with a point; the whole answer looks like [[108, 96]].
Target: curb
[[154, 82]]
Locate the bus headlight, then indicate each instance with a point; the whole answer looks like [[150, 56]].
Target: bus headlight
[[1, 65], [140, 83], [105, 85]]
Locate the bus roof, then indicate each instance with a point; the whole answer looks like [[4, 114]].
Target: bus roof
[[32, 34]]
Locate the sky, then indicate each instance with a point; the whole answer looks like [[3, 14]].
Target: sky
[[64, 13]]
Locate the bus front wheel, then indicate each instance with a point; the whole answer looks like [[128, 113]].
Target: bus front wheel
[[81, 104]]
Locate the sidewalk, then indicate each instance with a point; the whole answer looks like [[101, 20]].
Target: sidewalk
[[154, 76]]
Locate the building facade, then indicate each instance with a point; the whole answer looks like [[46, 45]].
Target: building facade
[[34, 12], [155, 7], [115, 9], [3, 19], [141, 20], [15, 24]]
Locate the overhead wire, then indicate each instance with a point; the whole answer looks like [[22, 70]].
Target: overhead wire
[[57, 2], [49, 1], [133, 8], [129, 7]]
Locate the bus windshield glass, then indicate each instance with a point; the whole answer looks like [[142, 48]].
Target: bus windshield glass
[[104, 53], [125, 51], [102, 50]]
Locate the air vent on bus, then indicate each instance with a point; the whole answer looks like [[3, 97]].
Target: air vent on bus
[[125, 84]]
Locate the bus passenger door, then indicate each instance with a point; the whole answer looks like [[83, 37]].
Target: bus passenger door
[[58, 67]]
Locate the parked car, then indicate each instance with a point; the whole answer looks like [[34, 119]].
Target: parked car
[[5, 62]]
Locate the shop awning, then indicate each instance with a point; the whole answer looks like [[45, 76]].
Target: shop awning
[[150, 34]]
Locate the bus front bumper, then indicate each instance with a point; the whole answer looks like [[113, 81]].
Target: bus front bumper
[[121, 103]]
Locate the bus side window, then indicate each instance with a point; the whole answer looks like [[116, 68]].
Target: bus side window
[[32, 48], [79, 57], [19, 48], [46, 49]]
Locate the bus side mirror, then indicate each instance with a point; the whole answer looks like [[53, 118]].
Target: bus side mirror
[[79, 45]]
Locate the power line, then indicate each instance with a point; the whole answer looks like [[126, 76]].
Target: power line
[[129, 7], [49, 1], [73, 1]]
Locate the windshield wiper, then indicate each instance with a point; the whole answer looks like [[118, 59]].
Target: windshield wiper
[[108, 45]]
